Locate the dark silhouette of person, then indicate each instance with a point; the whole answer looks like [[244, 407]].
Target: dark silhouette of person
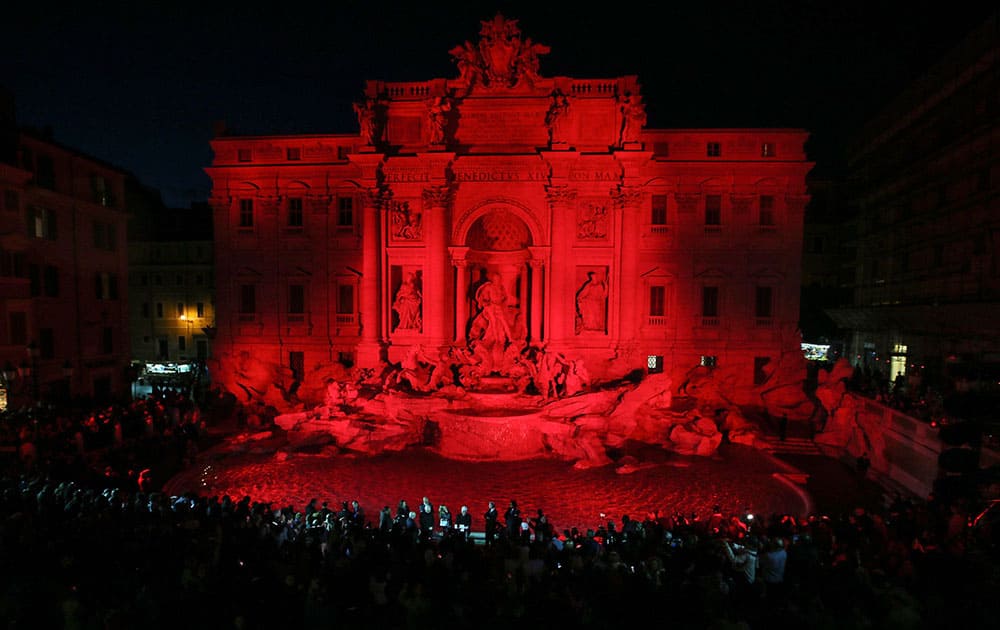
[[490, 522], [512, 518]]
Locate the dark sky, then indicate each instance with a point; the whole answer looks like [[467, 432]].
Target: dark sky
[[139, 85]]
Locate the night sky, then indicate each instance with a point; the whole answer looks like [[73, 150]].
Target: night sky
[[140, 86]]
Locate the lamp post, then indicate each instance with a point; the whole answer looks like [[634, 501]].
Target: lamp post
[[9, 376]]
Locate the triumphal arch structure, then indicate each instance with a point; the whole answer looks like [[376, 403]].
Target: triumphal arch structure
[[490, 219]]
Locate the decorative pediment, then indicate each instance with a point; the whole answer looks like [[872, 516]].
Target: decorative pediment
[[712, 272]]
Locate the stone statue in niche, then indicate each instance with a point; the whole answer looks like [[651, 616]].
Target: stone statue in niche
[[555, 118], [593, 222], [490, 330], [437, 113], [406, 222], [633, 112], [592, 303], [407, 304]]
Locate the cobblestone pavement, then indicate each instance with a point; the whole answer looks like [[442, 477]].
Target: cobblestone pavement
[[737, 477]]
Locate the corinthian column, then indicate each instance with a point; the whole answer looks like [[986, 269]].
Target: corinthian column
[[560, 305], [629, 199], [437, 281], [369, 349]]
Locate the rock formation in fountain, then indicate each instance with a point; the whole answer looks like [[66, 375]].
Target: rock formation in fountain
[[532, 403]]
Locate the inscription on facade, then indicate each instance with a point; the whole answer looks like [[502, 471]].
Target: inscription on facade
[[394, 177], [501, 175], [503, 127]]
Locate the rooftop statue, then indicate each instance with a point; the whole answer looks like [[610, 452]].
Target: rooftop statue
[[502, 59]]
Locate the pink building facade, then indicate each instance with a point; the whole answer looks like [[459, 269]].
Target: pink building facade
[[475, 218]]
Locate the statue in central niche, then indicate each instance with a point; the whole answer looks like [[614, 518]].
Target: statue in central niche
[[490, 332]]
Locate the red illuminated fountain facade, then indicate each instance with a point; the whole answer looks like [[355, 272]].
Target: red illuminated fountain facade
[[481, 266]]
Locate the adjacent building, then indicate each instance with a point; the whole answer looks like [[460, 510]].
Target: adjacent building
[[172, 294], [923, 192], [63, 270], [480, 220]]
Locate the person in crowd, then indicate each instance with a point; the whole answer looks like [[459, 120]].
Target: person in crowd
[[512, 519], [426, 522], [444, 520], [463, 522], [490, 521]]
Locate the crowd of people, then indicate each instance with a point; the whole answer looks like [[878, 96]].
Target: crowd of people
[[84, 547]]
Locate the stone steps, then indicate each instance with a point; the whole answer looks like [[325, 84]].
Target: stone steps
[[796, 445]]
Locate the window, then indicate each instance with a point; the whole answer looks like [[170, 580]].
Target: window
[[180, 310], [293, 154], [244, 155], [713, 209], [161, 346], [759, 371], [106, 286], [296, 299], [51, 281], [345, 212], [246, 213], [710, 301], [297, 364], [200, 309], [708, 360], [345, 299], [11, 201], [46, 343], [41, 223], [18, 323], [766, 210], [145, 310], [767, 149], [654, 363], [105, 236], [763, 302], [143, 279], [108, 340], [657, 301], [158, 280], [295, 212], [248, 299], [659, 214], [181, 343], [179, 280], [99, 186], [159, 310], [713, 149], [199, 279]]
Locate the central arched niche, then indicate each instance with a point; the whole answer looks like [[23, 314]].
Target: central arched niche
[[497, 258]]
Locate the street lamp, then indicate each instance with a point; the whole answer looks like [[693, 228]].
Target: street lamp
[[9, 374]]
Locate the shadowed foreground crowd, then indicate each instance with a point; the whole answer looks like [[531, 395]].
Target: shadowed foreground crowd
[[107, 552]]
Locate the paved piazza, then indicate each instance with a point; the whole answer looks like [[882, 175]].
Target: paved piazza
[[737, 476]]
